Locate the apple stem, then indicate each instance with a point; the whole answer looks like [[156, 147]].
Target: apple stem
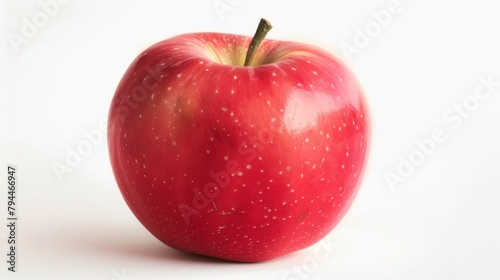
[[262, 29]]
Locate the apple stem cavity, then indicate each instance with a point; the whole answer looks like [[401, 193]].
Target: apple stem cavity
[[262, 29]]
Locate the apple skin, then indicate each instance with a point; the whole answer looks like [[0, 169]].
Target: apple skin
[[239, 163]]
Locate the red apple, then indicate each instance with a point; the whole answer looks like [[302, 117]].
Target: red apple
[[244, 163]]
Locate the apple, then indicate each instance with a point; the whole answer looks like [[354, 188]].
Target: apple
[[236, 152]]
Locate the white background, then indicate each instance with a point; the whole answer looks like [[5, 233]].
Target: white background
[[441, 222]]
